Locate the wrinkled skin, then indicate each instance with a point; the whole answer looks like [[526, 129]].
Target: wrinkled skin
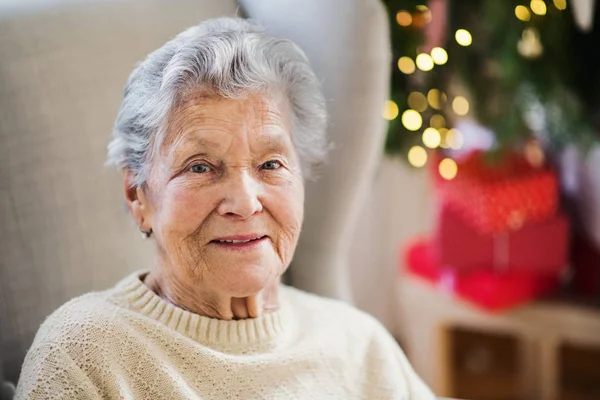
[[227, 167]]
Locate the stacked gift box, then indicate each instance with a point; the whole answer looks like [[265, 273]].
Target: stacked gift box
[[499, 238]]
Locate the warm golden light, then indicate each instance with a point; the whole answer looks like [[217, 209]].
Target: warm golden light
[[534, 154], [448, 169], [439, 56], [560, 4], [436, 99], [424, 62], [530, 45], [463, 37], [538, 7], [460, 106], [437, 121], [431, 138], [454, 139], [403, 18], [522, 13], [412, 120], [406, 65], [425, 12], [417, 156], [390, 110], [417, 101], [444, 135]]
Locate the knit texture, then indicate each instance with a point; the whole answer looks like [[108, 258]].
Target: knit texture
[[128, 343]]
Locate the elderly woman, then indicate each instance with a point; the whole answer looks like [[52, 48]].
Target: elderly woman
[[216, 134]]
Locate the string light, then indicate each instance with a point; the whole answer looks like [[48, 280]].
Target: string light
[[417, 101], [406, 65], [439, 55], [538, 7], [390, 110], [522, 13], [560, 4], [424, 62], [463, 37], [425, 12], [448, 169], [460, 106], [436, 99], [444, 135], [530, 45], [412, 120], [417, 156], [437, 121], [403, 18], [454, 139], [431, 138], [534, 154]]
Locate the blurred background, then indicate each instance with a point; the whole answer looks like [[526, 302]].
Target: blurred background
[[461, 206]]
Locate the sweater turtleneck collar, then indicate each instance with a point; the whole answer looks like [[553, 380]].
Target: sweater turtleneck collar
[[267, 328]]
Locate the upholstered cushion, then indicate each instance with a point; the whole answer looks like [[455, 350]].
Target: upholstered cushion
[[348, 44], [63, 226]]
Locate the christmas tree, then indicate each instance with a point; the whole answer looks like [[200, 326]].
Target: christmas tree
[[521, 69]]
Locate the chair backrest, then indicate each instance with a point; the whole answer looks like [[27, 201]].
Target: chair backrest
[[348, 44], [63, 228]]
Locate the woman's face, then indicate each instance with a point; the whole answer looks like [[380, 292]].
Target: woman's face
[[225, 194]]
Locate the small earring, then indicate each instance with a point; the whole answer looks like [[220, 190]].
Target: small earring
[[146, 234]]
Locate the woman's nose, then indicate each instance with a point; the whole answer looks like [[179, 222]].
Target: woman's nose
[[241, 197]]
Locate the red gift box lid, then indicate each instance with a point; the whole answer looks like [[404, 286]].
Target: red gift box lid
[[489, 290]]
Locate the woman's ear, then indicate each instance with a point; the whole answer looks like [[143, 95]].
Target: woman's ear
[[137, 201]]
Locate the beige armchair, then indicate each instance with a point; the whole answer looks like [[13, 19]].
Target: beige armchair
[[63, 228]]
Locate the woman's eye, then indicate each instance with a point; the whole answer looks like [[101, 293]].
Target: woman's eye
[[200, 168], [271, 165]]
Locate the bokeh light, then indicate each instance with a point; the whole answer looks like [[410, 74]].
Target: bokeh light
[[417, 156], [439, 56], [390, 110], [412, 120], [444, 135], [406, 65], [538, 7], [522, 13], [460, 106], [463, 37], [437, 121], [425, 12], [403, 18], [431, 138], [417, 101], [454, 139], [424, 62], [560, 4], [436, 99], [534, 154], [448, 169]]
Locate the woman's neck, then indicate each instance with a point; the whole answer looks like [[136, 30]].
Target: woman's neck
[[211, 304]]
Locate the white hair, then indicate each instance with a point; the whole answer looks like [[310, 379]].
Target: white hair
[[232, 57]]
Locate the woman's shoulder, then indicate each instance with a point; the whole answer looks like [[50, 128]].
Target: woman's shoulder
[[82, 318], [323, 310]]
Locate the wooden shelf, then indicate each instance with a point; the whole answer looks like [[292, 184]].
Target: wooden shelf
[[555, 346]]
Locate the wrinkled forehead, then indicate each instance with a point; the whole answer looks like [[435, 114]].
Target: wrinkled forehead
[[197, 114]]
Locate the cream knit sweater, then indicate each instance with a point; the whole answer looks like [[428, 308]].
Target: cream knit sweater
[[128, 343]]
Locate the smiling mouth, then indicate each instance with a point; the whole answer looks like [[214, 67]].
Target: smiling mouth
[[241, 242], [238, 241]]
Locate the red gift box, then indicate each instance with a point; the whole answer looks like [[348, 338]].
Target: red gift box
[[487, 289], [499, 196], [537, 247]]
